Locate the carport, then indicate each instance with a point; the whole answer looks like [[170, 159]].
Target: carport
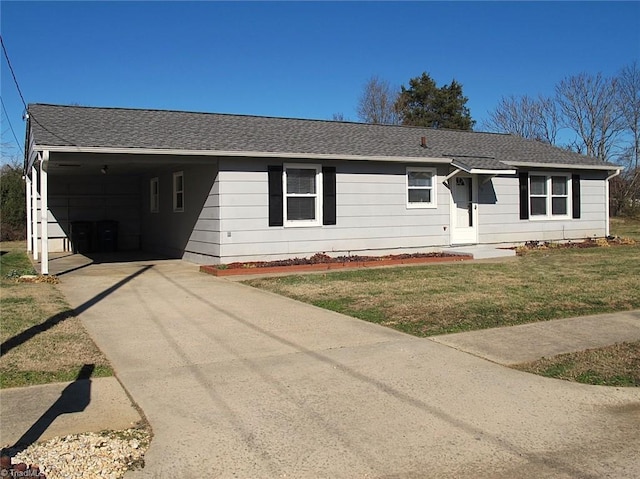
[[91, 199]]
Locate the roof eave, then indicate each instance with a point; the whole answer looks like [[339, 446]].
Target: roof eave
[[562, 166], [238, 153], [482, 171]]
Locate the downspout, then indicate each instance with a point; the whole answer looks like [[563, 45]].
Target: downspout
[[44, 216], [606, 188]]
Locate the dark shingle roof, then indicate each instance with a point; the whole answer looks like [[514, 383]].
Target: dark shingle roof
[[55, 125]]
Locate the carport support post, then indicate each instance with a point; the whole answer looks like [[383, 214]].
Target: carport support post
[[27, 181], [44, 216], [606, 204], [34, 211]]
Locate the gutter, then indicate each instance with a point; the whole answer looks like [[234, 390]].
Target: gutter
[[251, 154], [615, 173], [563, 166]]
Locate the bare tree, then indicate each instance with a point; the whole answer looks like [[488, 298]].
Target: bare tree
[[625, 189], [377, 103], [587, 105], [339, 116], [629, 104], [536, 119]]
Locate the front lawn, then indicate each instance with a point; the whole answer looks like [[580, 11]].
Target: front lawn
[[625, 226], [615, 365], [42, 340], [446, 298]]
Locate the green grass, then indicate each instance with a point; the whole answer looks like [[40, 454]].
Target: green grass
[[616, 365], [13, 378], [14, 261], [445, 298], [43, 341], [626, 227]]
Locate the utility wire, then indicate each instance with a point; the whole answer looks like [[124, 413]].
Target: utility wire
[[13, 74], [26, 109], [11, 126]]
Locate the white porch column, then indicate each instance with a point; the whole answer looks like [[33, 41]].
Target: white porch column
[[27, 188], [606, 208], [606, 205], [34, 211], [44, 216]]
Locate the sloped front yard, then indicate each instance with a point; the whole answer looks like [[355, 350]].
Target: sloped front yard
[[444, 298]]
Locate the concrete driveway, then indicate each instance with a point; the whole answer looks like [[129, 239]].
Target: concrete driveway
[[242, 383]]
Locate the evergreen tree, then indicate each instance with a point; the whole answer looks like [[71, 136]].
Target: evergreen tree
[[13, 214], [424, 104]]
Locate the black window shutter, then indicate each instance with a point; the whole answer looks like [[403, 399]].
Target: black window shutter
[[275, 195], [575, 195], [524, 195], [329, 195]]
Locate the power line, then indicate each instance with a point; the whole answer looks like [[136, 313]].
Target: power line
[[10, 125], [26, 108], [15, 80]]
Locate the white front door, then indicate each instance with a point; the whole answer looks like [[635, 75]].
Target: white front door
[[464, 209]]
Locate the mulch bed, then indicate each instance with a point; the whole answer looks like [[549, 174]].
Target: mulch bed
[[320, 261], [586, 243], [320, 258]]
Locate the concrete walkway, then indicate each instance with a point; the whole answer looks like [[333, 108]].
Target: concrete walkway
[[243, 383], [528, 342], [39, 413]]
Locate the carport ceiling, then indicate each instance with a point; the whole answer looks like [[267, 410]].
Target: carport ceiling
[[117, 164]]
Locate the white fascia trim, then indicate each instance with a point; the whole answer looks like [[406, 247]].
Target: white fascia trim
[[251, 154], [479, 171], [558, 166]]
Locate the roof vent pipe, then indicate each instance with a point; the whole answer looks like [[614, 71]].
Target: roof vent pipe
[[423, 141]]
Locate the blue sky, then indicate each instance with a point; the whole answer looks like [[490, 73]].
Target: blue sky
[[299, 59]]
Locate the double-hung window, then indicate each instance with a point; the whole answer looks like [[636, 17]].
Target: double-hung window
[[549, 195], [421, 187], [302, 185], [154, 195], [178, 192]]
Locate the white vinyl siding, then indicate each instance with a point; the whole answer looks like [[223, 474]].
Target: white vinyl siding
[[499, 220]]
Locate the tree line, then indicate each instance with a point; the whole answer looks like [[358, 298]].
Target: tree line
[[591, 114], [13, 213]]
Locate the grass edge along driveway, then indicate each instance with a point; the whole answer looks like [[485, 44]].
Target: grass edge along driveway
[[454, 297], [540, 285], [43, 341]]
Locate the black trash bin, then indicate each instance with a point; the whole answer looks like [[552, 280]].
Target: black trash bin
[[107, 236], [81, 233]]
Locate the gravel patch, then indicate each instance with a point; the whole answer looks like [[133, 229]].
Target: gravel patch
[[104, 455]]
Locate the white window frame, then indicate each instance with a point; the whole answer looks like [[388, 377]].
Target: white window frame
[[317, 221], [434, 191], [549, 196], [178, 193], [154, 195]]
